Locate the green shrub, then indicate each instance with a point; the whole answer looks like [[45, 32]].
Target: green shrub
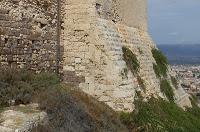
[[158, 115], [130, 59], [133, 64], [22, 86], [128, 120], [160, 67], [44, 80], [22, 92], [9, 75], [70, 109], [167, 90], [194, 100], [5, 94], [157, 70]]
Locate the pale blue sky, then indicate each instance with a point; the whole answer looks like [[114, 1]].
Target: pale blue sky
[[174, 21]]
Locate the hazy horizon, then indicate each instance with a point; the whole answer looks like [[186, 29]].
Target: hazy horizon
[[174, 21], [178, 44]]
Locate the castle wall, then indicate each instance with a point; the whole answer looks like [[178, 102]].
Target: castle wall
[[93, 58], [132, 13], [28, 36], [90, 38], [122, 82], [93, 34]]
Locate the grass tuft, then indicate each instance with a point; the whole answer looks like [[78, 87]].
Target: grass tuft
[[158, 115], [131, 60], [21, 86], [167, 90], [133, 64], [160, 67]]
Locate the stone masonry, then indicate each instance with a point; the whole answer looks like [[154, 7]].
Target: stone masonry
[[28, 36], [92, 34]]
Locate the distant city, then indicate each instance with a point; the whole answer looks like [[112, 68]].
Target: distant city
[[189, 77], [185, 61]]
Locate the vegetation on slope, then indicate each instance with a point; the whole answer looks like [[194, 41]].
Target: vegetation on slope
[[131, 60], [133, 64], [20, 86], [167, 90], [68, 108], [158, 115], [160, 67]]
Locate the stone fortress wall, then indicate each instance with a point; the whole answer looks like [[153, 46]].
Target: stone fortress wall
[[131, 13], [92, 33], [28, 34]]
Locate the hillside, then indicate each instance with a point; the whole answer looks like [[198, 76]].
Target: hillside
[[91, 66], [89, 43], [69, 109]]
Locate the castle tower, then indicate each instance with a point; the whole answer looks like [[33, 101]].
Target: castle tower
[[131, 13], [93, 34]]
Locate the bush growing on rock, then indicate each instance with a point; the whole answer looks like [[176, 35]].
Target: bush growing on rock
[[22, 86], [130, 59], [133, 64], [68, 109], [158, 115], [167, 90]]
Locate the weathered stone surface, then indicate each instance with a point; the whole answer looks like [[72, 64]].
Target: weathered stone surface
[[90, 51], [93, 35], [21, 118], [28, 34]]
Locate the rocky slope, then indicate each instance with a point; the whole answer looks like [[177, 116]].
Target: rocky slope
[[75, 111], [21, 118], [61, 107]]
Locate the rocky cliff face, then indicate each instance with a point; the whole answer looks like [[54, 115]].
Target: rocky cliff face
[[93, 35]]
